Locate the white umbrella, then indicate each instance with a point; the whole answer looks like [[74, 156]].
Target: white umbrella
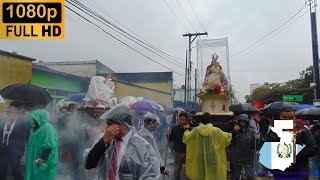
[[2, 100]]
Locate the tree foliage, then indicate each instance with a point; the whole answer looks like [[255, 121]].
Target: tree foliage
[[306, 77]]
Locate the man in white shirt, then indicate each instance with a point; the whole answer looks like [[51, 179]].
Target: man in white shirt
[[121, 152]]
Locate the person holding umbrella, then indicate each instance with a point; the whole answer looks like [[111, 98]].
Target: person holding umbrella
[[14, 133]]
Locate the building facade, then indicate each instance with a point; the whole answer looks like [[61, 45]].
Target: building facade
[[14, 68], [156, 86], [79, 68], [60, 85]]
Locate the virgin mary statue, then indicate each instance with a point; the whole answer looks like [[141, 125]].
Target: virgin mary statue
[[214, 75]]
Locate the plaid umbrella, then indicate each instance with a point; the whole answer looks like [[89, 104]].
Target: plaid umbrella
[[155, 104]]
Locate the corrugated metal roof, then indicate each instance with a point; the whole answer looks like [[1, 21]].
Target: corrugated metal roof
[[44, 68], [17, 56], [142, 76]]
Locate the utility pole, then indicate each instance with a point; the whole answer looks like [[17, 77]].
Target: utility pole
[[195, 90], [315, 53], [189, 69], [185, 80]]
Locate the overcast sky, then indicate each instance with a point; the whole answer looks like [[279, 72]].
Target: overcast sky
[[278, 59]]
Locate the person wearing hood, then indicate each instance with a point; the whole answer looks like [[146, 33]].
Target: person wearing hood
[[242, 149], [121, 153], [42, 150], [206, 157], [151, 123]]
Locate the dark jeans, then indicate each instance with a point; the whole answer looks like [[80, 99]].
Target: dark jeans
[[179, 160], [236, 171], [8, 160], [74, 150]]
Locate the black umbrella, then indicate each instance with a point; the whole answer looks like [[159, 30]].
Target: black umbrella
[[308, 113], [239, 108], [28, 94], [277, 107]]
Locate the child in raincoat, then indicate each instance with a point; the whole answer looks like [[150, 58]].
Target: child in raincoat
[[206, 151], [42, 151]]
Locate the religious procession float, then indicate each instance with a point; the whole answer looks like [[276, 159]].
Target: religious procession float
[[216, 96], [100, 96]]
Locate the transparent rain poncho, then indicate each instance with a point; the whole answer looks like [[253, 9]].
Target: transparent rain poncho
[[100, 92], [149, 119], [206, 157], [45, 137], [139, 159]]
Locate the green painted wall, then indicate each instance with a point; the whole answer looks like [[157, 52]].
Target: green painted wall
[[50, 81]]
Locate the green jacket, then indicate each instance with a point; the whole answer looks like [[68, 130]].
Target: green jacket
[[45, 137]]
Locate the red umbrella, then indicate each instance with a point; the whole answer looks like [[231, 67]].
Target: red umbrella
[[302, 122], [257, 104]]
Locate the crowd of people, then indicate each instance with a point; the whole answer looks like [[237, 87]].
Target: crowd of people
[[126, 145]]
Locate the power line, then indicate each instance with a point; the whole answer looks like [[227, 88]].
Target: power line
[[269, 38], [265, 36], [117, 29], [122, 32], [264, 70], [176, 16], [197, 17], [186, 16], [104, 11], [122, 42], [103, 38]]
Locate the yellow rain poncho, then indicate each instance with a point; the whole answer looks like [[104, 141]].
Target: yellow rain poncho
[[206, 152], [45, 137]]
